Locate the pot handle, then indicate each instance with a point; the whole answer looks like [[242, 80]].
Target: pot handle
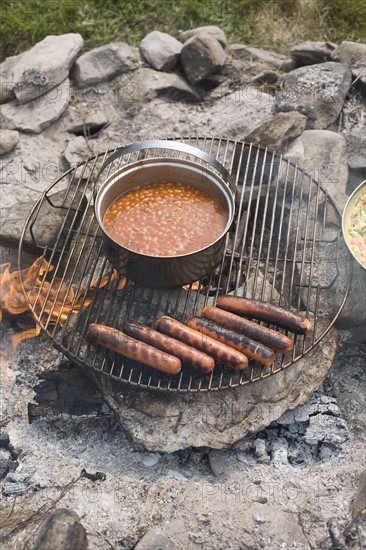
[[176, 146]]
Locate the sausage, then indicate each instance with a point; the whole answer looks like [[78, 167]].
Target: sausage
[[250, 348], [188, 355], [219, 351], [271, 338], [264, 311], [119, 342]]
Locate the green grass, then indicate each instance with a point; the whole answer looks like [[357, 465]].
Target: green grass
[[271, 23]]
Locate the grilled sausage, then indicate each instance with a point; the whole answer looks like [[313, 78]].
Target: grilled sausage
[[119, 342], [219, 351], [188, 355], [250, 348], [264, 311], [270, 338]]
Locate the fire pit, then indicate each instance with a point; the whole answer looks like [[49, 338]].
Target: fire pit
[[283, 247]]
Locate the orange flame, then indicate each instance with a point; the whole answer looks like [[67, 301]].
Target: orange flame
[[56, 301]]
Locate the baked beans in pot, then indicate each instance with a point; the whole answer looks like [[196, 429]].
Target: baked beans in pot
[[164, 221]]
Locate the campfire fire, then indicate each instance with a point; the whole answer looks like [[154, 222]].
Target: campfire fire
[[56, 301]]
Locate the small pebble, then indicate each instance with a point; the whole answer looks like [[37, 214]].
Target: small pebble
[[175, 474], [262, 500], [15, 452], [259, 519], [279, 451], [259, 448], [150, 460], [4, 468], [4, 440], [19, 477], [14, 489], [325, 452]]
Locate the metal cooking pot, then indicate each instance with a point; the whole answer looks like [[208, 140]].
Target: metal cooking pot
[[350, 209], [160, 271]]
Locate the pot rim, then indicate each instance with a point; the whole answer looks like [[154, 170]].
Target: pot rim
[[131, 167]]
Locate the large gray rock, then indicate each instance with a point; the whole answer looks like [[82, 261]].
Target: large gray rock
[[277, 132], [155, 539], [160, 50], [104, 63], [45, 65], [7, 78], [309, 53], [201, 56], [8, 140], [146, 84], [208, 30], [33, 117], [350, 53], [317, 91], [354, 311], [356, 149], [62, 530], [352, 128], [323, 154], [354, 55], [169, 422]]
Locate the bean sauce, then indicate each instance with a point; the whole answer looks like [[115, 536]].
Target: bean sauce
[[165, 219]]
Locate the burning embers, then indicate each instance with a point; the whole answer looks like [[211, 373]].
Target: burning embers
[[51, 299]]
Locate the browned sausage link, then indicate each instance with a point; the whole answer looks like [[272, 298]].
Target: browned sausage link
[[119, 342], [188, 355], [254, 350], [264, 311], [270, 338], [219, 351]]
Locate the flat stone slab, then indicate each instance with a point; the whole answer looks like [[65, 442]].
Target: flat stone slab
[[33, 117], [323, 154], [309, 53], [104, 63], [146, 84], [45, 65], [170, 422], [250, 53], [277, 132]]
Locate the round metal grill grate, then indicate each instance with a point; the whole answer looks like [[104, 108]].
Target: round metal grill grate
[[284, 247]]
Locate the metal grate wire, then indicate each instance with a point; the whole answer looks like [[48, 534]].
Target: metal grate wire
[[285, 247]]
